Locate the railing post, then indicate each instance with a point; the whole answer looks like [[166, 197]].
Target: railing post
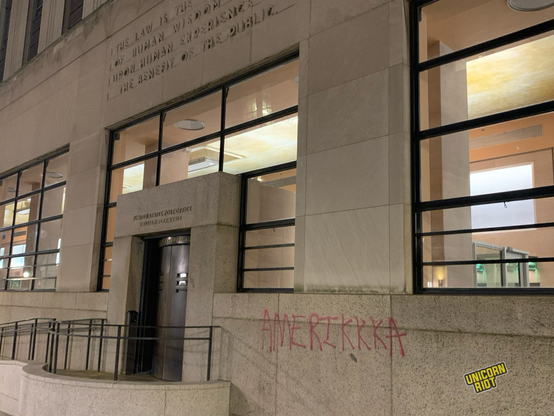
[[48, 349], [116, 366], [34, 338], [209, 353], [88, 343], [1, 341], [100, 343], [14, 345], [56, 346], [66, 346]]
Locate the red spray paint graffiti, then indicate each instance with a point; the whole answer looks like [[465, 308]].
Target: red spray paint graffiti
[[280, 328]]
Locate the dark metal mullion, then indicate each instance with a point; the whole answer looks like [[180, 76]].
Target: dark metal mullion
[[510, 115], [107, 206], [242, 233], [270, 169], [54, 186], [25, 224], [224, 93], [134, 161], [262, 120], [487, 230], [270, 224], [417, 246], [35, 257], [12, 233], [191, 143], [268, 269], [489, 45], [32, 253], [468, 201], [160, 138], [491, 261], [269, 246]]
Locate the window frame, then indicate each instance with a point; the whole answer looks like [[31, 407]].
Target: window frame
[[244, 227], [224, 131], [418, 135], [5, 8], [67, 15], [38, 222], [35, 7]]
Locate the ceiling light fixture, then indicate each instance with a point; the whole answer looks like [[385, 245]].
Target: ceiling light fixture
[[54, 175], [529, 5], [190, 124]]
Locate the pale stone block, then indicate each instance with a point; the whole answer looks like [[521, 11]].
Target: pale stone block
[[506, 315], [332, 381], [16, 37], [226, 256], [19, 313], [198, 402], [51, 22], [229, 57], [58, 314], [253, 376], [301, 173], [84, 189], [88, 153], [365, 37], [349, 113], [94, 301], [348, 251], [377, 306], [89, 103], [33, 299], [79, 226], [6, 298], [400, 248], [93, 58], [59, 300], [5, 312], [303, 69], [299, 253], [329, 13], [180, 81], [399, 169], [302, 138], [398, 32], [77, 269], [288, 25], [147, 96], [399, 99], [363, 166], [444, 356], [82, 314], [244, 305]]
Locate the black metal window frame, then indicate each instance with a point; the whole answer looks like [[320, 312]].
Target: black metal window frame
[[5, 15], [43, 188], [244, 227], [32, 35], [222, 87], [72, 14], [418, 135]]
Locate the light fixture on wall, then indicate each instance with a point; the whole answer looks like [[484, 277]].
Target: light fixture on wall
[[54, 175], [529, 5], [189, 124]]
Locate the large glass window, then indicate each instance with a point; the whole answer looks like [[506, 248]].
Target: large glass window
[[31, 211], [33, 30], [5, 14], [267, 229], [73, 13], [243, 125], [483, 145]]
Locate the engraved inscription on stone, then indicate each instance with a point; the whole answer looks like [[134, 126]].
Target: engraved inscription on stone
[[180, 33]]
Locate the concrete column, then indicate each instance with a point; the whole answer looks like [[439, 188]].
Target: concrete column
[[16, 37]]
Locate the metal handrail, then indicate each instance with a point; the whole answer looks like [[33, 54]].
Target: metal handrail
[[75, 329]]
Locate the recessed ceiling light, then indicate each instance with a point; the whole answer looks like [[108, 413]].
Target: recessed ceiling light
[[190, 124], [529, 5], [54, 175]]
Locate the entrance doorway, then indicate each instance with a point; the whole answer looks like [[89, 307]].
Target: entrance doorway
[[163, 304]]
